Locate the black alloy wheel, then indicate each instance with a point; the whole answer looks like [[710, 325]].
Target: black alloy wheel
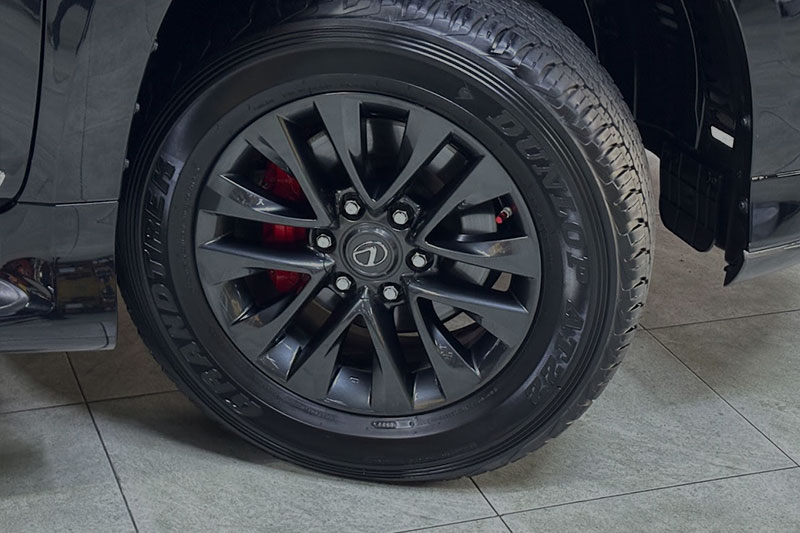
[[360, 326], [387, 240]]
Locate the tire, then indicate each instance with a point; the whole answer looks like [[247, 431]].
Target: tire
[[517, 88]]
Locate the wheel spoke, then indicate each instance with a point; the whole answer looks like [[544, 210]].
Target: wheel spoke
[[455, 374], [515, 255], [425, 136], [390, 389], [273, 135], [254, 334], [485, 181], [314, 369], [226, 195], [500, 313], [341, 115], [224, 260]]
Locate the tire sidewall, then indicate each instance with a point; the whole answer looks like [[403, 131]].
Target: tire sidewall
[[541, 153]]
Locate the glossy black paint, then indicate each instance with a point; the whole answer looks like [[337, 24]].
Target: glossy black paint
[[95, 53], [773, 50], [772, 34], [20, 35], [57, 270], [86, 60]]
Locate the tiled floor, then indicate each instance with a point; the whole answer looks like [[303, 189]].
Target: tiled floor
[[699, 430]]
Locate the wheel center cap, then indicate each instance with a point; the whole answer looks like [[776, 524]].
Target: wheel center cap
[[370, 254], [371, 251]]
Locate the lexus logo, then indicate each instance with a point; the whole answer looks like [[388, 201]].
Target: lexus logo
[[370, 254]]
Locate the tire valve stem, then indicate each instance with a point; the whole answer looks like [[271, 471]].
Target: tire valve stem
[[504, 215]]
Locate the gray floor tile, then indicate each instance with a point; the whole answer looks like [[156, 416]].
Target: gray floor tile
[[180, 472], [54, 475], [32, 381], [687, 287], [127, 371], [487, 525], [754, 363], [761, 502], [656, 425]]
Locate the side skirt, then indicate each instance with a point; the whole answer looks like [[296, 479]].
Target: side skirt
[[58, 278]]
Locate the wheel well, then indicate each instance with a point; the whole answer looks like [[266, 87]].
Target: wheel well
[[671, 60], [191, 32], [681, 67]]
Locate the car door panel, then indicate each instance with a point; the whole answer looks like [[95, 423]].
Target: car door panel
[[20, 51]]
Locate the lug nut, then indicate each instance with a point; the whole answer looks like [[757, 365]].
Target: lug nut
[[352, 208], [324, 241], [419, 260], [391, 293], [401, 217], [343, 283]]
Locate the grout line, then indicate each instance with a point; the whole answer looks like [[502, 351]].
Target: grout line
[[656, 489], [105, 449], [30, 409], [715, 320], [735, 410], [87, 402], [459, 522], [490, 503], [134, 396]]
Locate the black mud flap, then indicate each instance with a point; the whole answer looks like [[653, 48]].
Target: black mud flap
[[690, 199]]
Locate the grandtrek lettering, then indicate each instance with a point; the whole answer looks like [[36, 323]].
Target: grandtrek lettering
[[554, 370], [173, 322], [154, 202]]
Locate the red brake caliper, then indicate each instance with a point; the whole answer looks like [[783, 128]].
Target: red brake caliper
[[283, 186]]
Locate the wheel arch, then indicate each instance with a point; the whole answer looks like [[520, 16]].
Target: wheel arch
[[683, 70], [681, 66]]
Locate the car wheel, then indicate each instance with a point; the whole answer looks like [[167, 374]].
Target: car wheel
[[391, 240]]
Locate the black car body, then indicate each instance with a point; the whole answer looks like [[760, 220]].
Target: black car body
[[713, 85]]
